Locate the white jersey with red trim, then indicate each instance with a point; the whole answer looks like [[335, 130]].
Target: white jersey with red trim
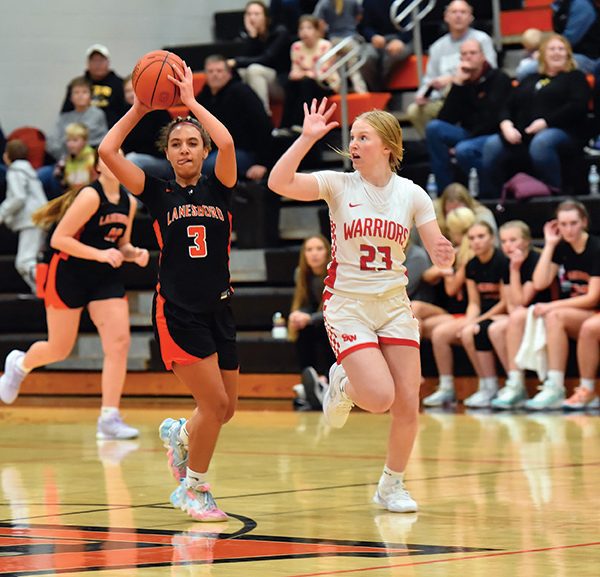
[[370, 227]]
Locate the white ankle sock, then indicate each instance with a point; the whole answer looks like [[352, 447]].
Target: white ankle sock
[[558, 378], [389, 477], [107, 412], [447, 382], [194, 479], [489, 383], [21, 367], [516, 377], [588, 384]]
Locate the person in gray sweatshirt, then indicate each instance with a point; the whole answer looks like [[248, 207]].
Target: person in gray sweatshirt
[[24, 195]]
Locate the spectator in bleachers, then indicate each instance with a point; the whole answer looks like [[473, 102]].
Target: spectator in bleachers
[[531, 39], [238, 107], [340, 20], [107, 86], [266, 62], [24, 195], [470, 114], [140, 146], [444, 57], [306, 326], [387, 47], [79, 163], [301, 85], [506, 334], [456, 195], [567, 246], [545, 118], [588, 360], [288, 12]]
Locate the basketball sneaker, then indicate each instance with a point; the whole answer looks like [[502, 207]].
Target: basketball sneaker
[[482, 398], [198, 503], [113, 428], [10, 381], [440, 398], [392, 495], [581, 399], [177, 452], [310, 381], [511, 396], [550, 397], [336, 404]]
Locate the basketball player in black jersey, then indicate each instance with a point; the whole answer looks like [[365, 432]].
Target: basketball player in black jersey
[[89, 244], [192, 315]]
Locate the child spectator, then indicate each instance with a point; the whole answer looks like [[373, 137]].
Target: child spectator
[[340, 19], [531, 40], [24, 195], [302, 85], [76, 168]]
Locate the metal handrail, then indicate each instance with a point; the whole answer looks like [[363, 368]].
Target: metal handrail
[[413, 9], [354, 45]]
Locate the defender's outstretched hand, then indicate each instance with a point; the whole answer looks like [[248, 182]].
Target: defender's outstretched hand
[[317, 119]]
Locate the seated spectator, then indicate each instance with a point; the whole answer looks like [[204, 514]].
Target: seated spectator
[[569, 246], [588, 347], [545, 118], [442, 321], [305, 322], [444, 57], [506, 334], [301, 85], [266, 62], [238, 107], [340, 18], [140, 145], [456, 195], [470, 114], [24, 195], [531, 39], [107, 86], [80, 96], [78, 164], [387, 46]]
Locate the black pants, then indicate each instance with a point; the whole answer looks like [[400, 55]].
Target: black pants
[[313, 349]]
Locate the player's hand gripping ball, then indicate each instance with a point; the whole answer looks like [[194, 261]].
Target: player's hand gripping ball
[[150, 79]]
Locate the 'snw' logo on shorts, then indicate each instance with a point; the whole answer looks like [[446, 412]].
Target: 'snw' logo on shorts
[[348, 338]]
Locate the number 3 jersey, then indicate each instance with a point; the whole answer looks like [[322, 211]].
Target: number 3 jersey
[[370, 227], [193, 229]]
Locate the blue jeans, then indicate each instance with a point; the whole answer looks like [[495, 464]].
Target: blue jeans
[[243, 158], [441, 137], [52, 187], [544, 151]]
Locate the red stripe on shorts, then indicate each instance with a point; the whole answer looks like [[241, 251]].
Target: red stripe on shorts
[[400, 342]]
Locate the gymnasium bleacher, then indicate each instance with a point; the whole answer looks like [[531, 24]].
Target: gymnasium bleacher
[[268, 234]]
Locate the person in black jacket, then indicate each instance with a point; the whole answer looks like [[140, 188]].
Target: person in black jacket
[[107, 86], [237, 106], [470, 114], [266, 60], [544, 119]]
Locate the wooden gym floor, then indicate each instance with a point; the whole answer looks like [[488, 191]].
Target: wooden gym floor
[[500, 495]]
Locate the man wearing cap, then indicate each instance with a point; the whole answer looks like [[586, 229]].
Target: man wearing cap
[[107, 87]]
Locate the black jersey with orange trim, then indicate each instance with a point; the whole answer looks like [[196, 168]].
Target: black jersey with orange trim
[[193, 228]]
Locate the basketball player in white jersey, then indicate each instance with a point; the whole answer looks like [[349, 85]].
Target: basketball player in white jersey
[[372, 330]]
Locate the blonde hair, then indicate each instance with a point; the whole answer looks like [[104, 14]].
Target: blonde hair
[[454, 192], [521, 226], [388, 128], [570, 65], [53, 211], [458, 222], [531, 39], [77, 130]]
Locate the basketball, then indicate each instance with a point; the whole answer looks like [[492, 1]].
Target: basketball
[[150, 79]]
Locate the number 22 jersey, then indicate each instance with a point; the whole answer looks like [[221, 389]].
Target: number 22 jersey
[[193, 229], [370, 227]]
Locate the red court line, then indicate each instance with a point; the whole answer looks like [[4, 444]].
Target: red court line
[[448, 560]]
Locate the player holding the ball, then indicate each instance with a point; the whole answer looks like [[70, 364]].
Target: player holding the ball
[[192, 316]]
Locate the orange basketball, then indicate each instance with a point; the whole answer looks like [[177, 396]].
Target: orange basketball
[[150, 82]]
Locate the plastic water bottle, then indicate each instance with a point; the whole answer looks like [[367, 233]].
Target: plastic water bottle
[[279, 330], [594, 180], [431, 187], [473, 182]]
